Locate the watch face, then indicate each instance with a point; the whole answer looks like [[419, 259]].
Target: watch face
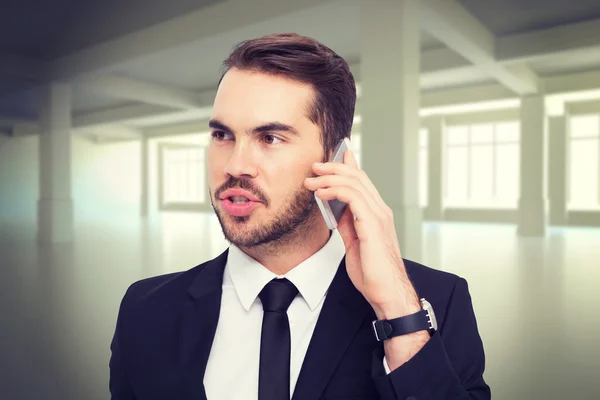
[[430, 314]]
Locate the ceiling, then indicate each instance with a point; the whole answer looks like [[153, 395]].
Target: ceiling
[[505, 17], [45, 31]]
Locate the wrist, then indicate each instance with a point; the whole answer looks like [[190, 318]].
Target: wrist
[[400, 349], [397, 308]]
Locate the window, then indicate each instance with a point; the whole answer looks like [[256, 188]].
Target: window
[[423, 167], [584, 164], [482, 165], [182, 175]]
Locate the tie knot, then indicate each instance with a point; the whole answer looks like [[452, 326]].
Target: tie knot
[[277, 295]]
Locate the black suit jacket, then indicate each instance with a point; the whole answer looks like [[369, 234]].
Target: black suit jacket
[[166, 325]]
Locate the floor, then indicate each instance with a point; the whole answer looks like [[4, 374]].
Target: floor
[[536, 300]]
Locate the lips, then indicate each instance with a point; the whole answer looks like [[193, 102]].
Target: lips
[[229, 193], [238, 209]]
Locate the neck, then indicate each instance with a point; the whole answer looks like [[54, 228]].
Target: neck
[[282, 256]]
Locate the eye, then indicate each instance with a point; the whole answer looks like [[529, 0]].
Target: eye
[[218, 135], [268, 139]]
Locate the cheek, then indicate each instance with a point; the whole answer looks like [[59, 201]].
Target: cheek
[[291, 180], [291, 164]]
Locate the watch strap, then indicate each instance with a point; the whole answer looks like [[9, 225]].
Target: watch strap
[[386, 329]]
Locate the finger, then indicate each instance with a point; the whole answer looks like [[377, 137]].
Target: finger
[[339, 169], [346, 228], [328, 181], [369, 226], [350, 159]]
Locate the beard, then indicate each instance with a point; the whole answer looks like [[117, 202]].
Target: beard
[[292, 222]]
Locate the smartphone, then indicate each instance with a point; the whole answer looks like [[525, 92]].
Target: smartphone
[[332, 210]]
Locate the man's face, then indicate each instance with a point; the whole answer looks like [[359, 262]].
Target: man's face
[[264, 144]]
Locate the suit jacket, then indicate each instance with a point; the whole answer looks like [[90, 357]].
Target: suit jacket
[[166, 325]]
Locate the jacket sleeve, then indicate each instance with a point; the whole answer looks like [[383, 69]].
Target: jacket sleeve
[[451, 364], [119, 386]]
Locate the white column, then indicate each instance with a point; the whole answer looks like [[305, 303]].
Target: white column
[[55, 205], [435, 161], [532, 204], [557, 169], [389, 74], [144, 177]]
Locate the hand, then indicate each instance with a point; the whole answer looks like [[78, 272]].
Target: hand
[[373, 258]]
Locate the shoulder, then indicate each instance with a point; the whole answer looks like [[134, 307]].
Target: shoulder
[[150, 294], [160, 292], [428, 279], [442, 289]]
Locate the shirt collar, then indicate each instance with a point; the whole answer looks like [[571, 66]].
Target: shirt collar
[[312, 277]]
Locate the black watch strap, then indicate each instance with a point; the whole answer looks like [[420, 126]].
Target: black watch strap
[[388, 328]]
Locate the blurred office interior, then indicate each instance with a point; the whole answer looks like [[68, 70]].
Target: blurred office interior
[[478, 121]]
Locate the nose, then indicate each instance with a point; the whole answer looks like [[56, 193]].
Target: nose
[[242, 161]]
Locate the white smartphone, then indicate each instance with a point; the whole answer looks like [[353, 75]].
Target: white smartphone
[[332, 210]]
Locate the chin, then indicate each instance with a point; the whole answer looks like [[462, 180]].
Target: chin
[[238, 230], [240, 236]]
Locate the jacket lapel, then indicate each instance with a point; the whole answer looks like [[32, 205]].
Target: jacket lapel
[[344, 310], [198, 324]]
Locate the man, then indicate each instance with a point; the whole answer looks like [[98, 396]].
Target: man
[[288, 310]]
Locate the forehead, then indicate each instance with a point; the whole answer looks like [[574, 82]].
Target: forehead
[[247, 97]]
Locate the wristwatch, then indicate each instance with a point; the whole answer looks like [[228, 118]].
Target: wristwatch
[[423, 320]]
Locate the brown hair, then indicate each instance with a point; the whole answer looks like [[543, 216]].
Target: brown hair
[[305, 60]]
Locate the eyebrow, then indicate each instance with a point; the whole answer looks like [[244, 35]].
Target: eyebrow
[[268, 127]]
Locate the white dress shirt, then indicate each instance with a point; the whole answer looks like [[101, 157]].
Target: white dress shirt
[[233, 364]]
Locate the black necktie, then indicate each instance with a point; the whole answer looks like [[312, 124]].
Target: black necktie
[[275, 342]]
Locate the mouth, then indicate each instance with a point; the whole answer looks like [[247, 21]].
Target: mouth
[[238, 199], [239, 203], [238, 196]]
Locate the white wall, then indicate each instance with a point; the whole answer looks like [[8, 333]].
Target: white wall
[[105, 178]]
